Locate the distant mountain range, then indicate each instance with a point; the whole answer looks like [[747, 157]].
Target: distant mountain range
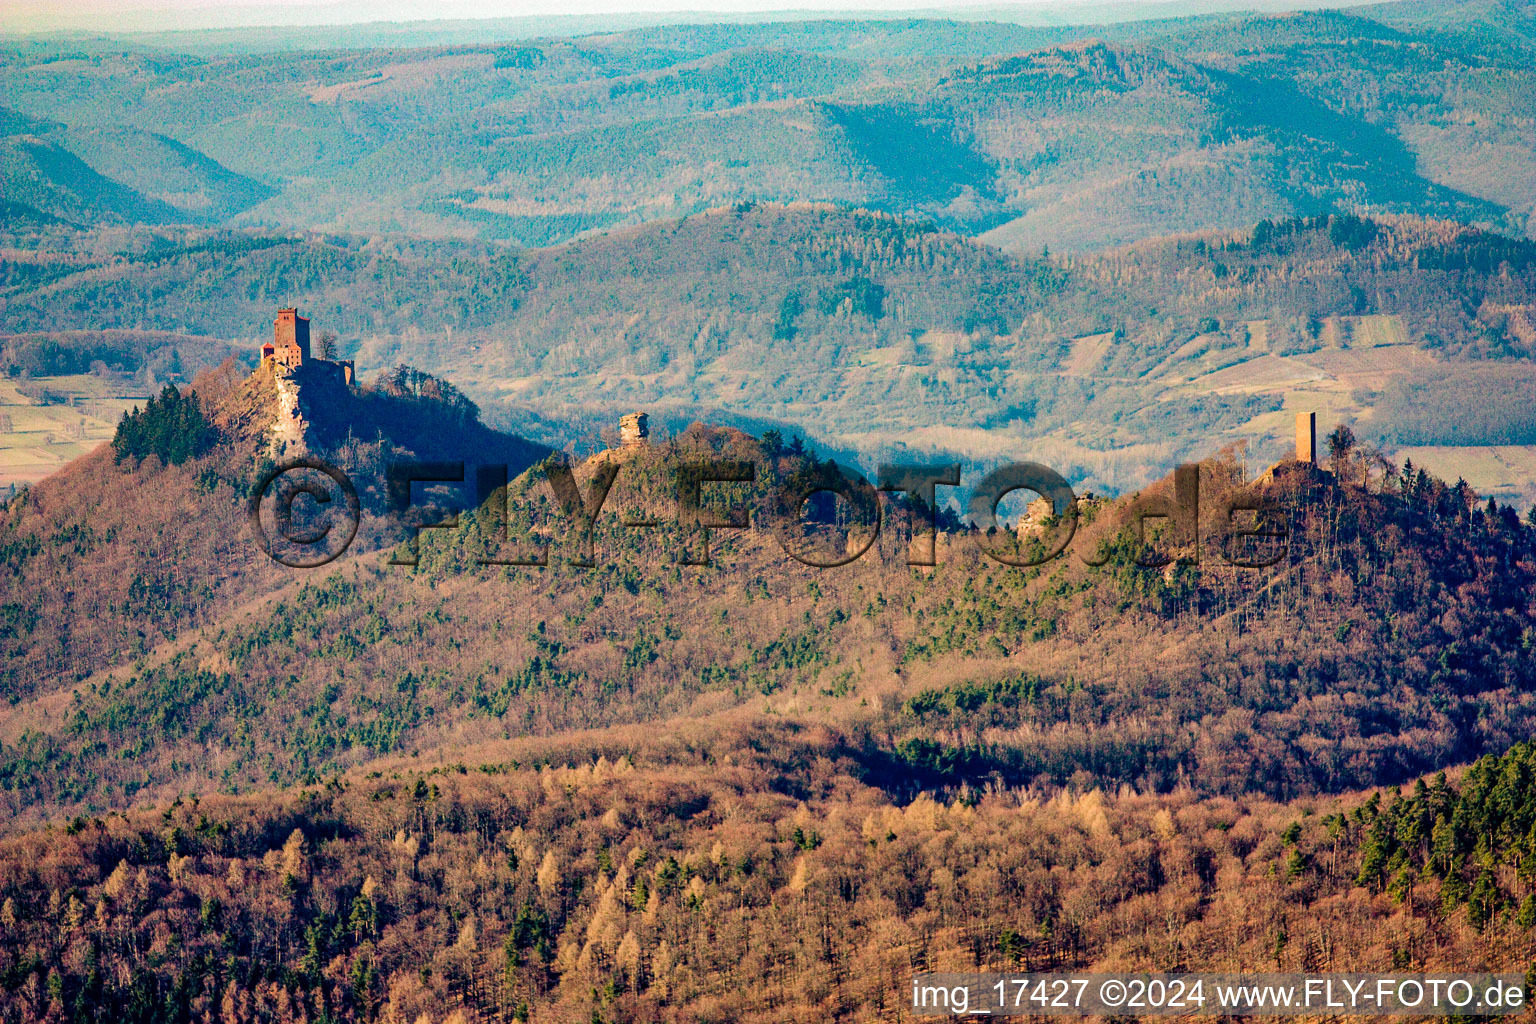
[[1040, 135], [348, 23], [1058, 246]]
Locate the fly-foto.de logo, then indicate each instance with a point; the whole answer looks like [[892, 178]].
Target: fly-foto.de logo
[[305, 513]]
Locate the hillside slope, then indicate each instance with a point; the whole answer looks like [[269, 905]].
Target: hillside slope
[[116, 175], [113, 559], [553, 793], [1390, 641], [751, 876]]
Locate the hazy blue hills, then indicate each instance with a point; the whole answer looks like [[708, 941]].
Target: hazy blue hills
[[116, 175], [167, 171], [836, 225], [45, 177], [1508, 25], [1074, 138]]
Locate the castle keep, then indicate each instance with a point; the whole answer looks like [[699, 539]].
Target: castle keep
[[1306, 437], [305, 384], [289, 348]]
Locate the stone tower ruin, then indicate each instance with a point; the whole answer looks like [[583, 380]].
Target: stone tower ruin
[[288, 350], [1306, 437], [633, 430], [290, 341]]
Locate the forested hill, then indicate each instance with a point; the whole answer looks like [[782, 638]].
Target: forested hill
[[492, 764], [1392, 639], [873, 332], [558, 794], [739, 263], [768, 883], [146, 540]]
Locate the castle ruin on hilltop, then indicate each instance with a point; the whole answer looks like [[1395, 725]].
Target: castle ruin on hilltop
[[634, 430], [289, 348], [1305, 455], [303, 381]]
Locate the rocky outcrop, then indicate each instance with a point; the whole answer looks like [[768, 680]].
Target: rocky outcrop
[[306, 395], [288, 427]]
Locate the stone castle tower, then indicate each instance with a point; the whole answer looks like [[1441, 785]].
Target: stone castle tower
[[1306, 437], [289, 348], [304, 384], [1306, 448]]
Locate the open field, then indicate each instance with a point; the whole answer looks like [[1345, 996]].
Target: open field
[[1358, 356], [1505, 472], [61, 419], [1088, 353]]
